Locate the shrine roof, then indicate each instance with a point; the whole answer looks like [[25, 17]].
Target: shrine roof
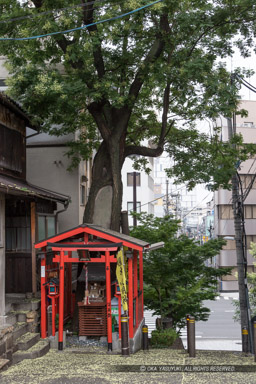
[[95, 230]]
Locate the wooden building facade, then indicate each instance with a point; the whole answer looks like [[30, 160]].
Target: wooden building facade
[[27, 212]]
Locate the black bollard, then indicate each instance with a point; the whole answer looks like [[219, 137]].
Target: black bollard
[[245, 338], [187, 333], [192, 337], [124, 336], [145, 337]]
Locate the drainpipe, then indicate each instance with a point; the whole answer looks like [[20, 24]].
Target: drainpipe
[[66, 204], [33, 134]]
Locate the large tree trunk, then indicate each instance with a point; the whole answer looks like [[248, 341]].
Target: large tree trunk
[[105, 197]]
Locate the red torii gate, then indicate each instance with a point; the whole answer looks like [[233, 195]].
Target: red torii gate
[[89, 237]]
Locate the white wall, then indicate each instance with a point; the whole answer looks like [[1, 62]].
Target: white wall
[[47, 153], [47, 168], [145, 193]]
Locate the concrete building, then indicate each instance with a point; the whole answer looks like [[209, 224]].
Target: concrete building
[[144, 189], [187, 206], [224, 224], [47, 165]]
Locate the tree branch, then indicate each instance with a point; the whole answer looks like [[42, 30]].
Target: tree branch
[[153, 54], [88, 18], [62, 42], [155, 152], [216, 26], [96, 110], [143, 151]]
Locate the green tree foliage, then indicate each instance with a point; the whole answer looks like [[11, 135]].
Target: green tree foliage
[[148, 75], [251, 279], [176, 277]]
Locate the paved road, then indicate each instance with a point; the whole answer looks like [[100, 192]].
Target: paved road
[[220, 323], [220, 332]]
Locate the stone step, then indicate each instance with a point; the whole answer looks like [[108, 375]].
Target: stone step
[[21, 316], [4, 364], [27, 341], [38, 350], [19, 330], [11, 318], [22, 305]]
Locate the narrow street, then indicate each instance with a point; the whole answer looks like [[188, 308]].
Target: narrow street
[[220, 332]]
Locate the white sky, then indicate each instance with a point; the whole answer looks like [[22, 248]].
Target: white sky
[[247, 63]]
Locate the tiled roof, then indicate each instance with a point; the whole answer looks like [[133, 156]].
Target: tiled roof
[[22, 187]]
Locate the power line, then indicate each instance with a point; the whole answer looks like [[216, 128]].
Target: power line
[[197, 205], [251, 166], [245, 83], [79, 28], [169, 194]]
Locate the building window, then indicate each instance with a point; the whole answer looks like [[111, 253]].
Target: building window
[[130, 207], [230, 245], [46, 227], [250, 239], [82, 194], [246, 181], [250, 211], [130, 179], [248, 124], [226, 212], [18, 233]]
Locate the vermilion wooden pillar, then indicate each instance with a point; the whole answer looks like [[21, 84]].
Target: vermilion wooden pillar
[[108, 294], [130, 296], [135, 294], [141, 280], [61, 300], [43, 295], [69, 285], [54, 299]]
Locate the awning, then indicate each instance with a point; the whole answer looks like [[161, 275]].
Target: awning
[[13, 186]]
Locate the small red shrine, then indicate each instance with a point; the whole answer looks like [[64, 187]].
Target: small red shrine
[[87, 244]]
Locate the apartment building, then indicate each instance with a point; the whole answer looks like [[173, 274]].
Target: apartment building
[[224, 223]]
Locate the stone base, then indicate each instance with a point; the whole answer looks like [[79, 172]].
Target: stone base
[[54, 342], [82, 338], [136, 341], [116, 343]]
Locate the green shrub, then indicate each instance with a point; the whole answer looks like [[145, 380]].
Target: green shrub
[[163, 338]]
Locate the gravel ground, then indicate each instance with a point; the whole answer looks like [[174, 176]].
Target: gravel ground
[[93, 365], [73, 341]]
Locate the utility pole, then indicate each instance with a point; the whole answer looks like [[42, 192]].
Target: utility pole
[[167, 197], [241, 256], [134, 198]]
